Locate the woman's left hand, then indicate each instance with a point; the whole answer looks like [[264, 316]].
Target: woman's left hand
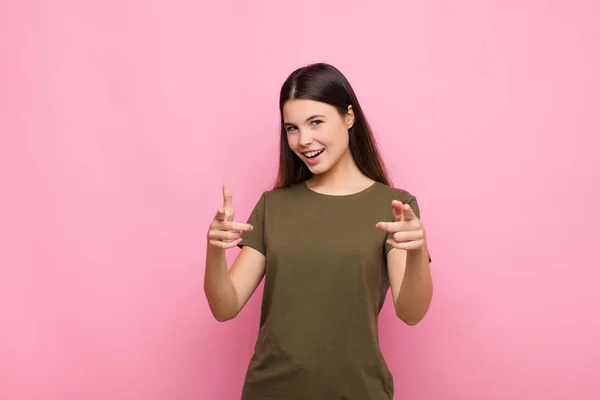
[[407, 231]]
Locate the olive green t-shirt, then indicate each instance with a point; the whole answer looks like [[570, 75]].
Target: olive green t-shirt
[[325, 284]]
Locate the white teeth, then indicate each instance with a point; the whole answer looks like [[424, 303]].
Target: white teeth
[[311, 154]]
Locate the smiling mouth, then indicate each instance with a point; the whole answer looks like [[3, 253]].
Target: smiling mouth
[[312, 154]]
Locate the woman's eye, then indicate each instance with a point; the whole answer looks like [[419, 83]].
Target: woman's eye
[[316, 122], [290, 128]]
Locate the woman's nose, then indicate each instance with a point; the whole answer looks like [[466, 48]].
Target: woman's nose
[[305, 138]]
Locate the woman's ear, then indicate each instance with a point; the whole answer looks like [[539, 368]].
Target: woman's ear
[[350, 117]]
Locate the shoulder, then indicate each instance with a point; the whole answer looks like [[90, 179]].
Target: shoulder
[[281, 194], [388, 193], [291, 190], [394, 193]]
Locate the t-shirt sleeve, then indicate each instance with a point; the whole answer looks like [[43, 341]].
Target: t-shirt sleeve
[[414, 205], [255, 238]]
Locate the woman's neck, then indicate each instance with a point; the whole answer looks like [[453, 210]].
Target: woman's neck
[[343, 178]]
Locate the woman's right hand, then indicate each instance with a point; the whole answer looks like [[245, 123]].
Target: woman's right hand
[[224, 233]]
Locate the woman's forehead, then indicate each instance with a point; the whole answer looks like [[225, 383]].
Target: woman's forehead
[[298, 110]]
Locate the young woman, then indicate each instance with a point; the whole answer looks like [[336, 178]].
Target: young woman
[[330, 239]]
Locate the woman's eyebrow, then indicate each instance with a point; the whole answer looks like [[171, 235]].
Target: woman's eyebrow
[[307, 119]]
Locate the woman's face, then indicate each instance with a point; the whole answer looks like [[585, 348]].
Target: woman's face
[[317, 133]]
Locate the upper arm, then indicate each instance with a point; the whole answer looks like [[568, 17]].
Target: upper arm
[[246, 273]]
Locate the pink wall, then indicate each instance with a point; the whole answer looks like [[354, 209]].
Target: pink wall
[[119, 120]]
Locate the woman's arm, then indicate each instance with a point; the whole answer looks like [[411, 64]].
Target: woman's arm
[[227, 291], [410, 283], [408, 263]]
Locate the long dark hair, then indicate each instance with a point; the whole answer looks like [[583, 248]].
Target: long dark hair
[[325, 83]]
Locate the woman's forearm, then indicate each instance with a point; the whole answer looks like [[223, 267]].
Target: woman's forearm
[[218, 287], [416, 290]]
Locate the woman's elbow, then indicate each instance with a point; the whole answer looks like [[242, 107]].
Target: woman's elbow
[[411, 321], [224, 317], [221, 313]]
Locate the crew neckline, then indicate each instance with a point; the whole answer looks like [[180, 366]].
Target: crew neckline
[[340, 196]]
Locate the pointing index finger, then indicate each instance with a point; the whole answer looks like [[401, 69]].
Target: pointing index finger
[[392, 227], [386, 226], [238, 227]]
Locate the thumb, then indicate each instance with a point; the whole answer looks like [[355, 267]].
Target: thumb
[[402, 212], [407, 213], [227, 202], [227, 197], [398, 208]]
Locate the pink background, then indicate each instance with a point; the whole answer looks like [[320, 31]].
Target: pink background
[[119, 120]]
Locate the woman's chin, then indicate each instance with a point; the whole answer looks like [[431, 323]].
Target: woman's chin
[[318, 165], [317, 169]]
